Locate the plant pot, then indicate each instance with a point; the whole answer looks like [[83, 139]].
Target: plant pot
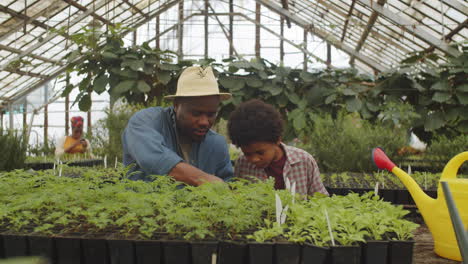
[[2, 252], [402, 197], [15, 245], [343, 191], [401, 252], [387, 195], [121, 251], [375, 252], [68, 250], [261, 253], [202, 251], [148, 252], [330, 190], [176, 252], [315, 254], [361, 191], [94, 251], [338, 191], [346, 255], [42, 246], [287, 253], [230, 252]]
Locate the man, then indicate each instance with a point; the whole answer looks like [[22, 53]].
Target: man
[[177, 140]]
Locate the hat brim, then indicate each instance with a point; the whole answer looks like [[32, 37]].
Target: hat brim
[[223, 96]]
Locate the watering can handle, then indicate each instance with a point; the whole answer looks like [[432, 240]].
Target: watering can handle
[[451, 169]]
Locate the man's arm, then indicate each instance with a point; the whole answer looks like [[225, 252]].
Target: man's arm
[[148, 147], [185, 172]]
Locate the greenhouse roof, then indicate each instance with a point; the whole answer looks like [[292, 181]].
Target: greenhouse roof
[[376, 35]]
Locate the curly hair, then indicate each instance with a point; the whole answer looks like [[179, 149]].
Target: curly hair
[[254, 121]]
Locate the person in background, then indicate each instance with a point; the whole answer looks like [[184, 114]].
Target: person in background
[[75, 143], [177, 140], [256, 127]]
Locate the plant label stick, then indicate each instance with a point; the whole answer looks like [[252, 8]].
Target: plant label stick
[[279, 208], [409, 169], [213, 258], [283, 214], [293, 191], [425, 180], [376, 189], [115, 165], [105, 162], [329, 228]]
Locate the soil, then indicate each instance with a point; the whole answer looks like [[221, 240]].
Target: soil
[[424, 249]]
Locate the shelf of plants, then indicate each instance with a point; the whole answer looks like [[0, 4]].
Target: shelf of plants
[[390, 187], [76, 160], [95, 215]]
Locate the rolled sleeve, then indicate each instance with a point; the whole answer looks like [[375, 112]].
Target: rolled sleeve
[[224, 169], [146, 145]]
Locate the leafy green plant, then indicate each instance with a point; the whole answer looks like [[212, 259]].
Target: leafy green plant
[[421, 93], [13, 146], [41, 149], [445, 148], [345, 143], [138, 73], [104, 201]]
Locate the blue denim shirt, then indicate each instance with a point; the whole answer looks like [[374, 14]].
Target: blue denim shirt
[[150, 142]]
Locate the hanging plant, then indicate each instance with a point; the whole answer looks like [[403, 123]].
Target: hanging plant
[[139, 73]]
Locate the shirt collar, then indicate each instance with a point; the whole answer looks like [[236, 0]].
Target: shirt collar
[[290, 156]]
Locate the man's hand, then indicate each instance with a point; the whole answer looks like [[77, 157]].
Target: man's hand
[[185, 172]]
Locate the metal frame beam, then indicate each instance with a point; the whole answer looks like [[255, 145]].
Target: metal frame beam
[[455, 4], [157, 13], [60, 70], [323, 35], [367, 30], [13, 13], [231, 28], [226, 33], [452, 33], [28, 73], [457, 29], [283, 38], [53, 35], [15, 27], [37, 57], [180, 31], [91, 13], [136, 8], [408, 26], [348, 17]]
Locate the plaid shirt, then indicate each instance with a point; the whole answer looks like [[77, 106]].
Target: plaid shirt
[[300, 167]]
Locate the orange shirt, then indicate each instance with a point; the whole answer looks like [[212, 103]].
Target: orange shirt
[[69, 141]]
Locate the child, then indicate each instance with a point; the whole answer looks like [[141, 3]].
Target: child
[[256, 128]]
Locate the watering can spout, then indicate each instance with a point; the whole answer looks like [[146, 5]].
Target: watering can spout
[[423, 201]]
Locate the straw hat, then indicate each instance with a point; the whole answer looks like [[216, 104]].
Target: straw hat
[[198, 81]]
